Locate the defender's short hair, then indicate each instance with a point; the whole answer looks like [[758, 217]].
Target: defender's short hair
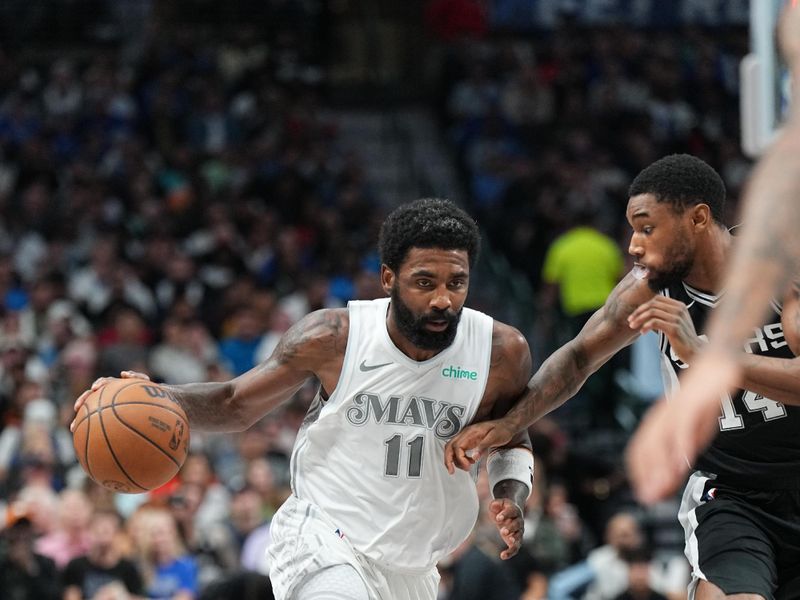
[[682, 180], [427, 223]]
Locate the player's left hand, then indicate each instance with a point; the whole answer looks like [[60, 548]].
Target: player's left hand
[[507, 517], [671, 317]]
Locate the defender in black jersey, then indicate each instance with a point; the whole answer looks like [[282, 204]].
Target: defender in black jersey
[[741, 508]]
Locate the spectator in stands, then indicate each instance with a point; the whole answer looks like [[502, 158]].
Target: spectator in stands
[[243, 585], [582, 266], [71, 537], [471, 573], [214, 499], [39, 503], [211, 544], [246, 515], [179, 282], [23, 573], [107, 280], [239, 348], [249, 511], [604, 573], [542, 539], [37, 450], [564, 515], [102, 565], [639, 580], [124, 341], [173, 360], [22, 376], [168, 571]]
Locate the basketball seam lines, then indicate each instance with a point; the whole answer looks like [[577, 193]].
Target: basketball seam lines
[[114, 454], [139, 433], [86, 449], [137, 403]]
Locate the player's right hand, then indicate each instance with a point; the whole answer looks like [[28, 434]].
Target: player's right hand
[[467, 447], [98, 383]]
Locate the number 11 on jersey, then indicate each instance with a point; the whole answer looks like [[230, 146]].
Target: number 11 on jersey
[[394, 447]]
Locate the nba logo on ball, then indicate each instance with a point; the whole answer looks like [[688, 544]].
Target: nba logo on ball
[[131, 436], [177, 435]]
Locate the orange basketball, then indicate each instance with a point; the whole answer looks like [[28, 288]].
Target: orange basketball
[[131, 436]]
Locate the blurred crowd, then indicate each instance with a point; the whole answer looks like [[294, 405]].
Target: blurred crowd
[[552, 126], [173, 207]]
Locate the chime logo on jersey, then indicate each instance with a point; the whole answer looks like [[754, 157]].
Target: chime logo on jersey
[[443, 418], [458, 373]]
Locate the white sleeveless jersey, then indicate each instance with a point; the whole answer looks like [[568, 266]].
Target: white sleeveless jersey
[[372, 455]]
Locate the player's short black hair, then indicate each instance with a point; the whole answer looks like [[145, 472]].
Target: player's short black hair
[[682, 180], [427, 223]]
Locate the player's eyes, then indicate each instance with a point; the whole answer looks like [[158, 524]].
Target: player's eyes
[[457, 283], [424, 283], [647, 230]]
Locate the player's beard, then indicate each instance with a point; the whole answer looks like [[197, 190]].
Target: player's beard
[[412, 326], [679, 260]]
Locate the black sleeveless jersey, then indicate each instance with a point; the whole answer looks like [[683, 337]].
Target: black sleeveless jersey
[[758, 446]]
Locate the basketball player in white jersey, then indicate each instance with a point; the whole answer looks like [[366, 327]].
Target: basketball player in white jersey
[[373, 509]]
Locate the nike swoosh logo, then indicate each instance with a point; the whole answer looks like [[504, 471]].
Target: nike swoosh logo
[[365, 367]]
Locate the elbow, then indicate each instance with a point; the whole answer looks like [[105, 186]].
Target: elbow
[[234, 411]]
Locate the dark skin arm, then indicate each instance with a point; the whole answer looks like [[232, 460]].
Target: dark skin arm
[[510, 369], [314, 346], [774, 378], [560, 376]]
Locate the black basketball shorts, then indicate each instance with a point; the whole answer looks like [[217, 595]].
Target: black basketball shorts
[[743, 541]]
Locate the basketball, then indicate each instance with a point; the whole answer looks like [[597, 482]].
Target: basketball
[[131, 436]]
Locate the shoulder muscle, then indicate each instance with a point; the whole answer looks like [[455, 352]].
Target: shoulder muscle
[[317, 337], [511, 360]]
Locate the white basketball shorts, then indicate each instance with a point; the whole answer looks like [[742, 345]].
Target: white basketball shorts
[[306, 540]]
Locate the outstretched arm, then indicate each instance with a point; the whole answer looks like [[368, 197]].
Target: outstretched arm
[[567, 369], [313, 346], [559, 377]]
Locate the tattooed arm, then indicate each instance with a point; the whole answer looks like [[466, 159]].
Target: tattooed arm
[[314, 346], [560, 376], [567, 369]]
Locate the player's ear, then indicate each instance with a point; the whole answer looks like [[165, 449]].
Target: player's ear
[[387, 279], [701, 217]]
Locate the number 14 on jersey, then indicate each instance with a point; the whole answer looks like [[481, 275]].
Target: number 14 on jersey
[[769, 409]]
